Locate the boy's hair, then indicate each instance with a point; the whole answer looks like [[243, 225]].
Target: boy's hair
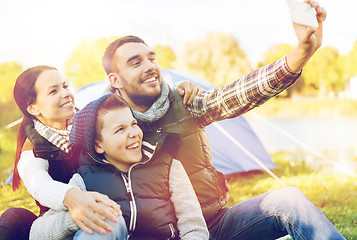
[[111, 103], [107, 59]]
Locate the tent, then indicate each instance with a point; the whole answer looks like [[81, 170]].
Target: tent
[[235, 146]]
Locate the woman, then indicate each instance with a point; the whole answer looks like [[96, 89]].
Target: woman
[[43, 154], [47, 104]]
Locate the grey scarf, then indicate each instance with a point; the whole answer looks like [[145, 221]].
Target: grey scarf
[[59, 138], [158, 109]]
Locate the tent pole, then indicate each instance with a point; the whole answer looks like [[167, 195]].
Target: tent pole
[[11, 124], [220, 128], [307, 147]]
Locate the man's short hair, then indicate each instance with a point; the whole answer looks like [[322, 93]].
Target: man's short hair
[[107, 59]]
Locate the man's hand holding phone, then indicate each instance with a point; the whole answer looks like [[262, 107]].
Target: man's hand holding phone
[[308, 32], [302, 13]]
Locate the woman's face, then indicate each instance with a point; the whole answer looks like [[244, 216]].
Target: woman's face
[[54, 102]]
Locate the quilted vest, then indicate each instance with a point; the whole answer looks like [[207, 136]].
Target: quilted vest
[[61, 167], [193, 150], [142, 193]]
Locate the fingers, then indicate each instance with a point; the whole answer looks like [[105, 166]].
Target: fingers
[[180, 90], [98, 197], [189, 91], [320, 11], [198, 90], [321, 14], [106, 207], [101, 198], [116, 208], [90, 209], [186, 97], [94, 222], [83, 227]]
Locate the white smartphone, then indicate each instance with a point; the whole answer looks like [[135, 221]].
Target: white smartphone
[[302, 13]]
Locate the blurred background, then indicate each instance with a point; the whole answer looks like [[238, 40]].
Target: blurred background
[[309, 130]]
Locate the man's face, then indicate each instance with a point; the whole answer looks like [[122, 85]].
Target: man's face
[[138, 74]]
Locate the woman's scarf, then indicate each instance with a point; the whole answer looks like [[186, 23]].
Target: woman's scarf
[[59, 138]]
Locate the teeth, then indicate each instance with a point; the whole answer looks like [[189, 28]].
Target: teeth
[[135, 145], [152, 79], [67, 104]]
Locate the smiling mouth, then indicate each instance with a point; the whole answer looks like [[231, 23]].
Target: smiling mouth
[[151, 80], [66, 105], [134, 147]]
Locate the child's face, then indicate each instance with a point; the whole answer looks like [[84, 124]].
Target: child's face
[[121, 138]]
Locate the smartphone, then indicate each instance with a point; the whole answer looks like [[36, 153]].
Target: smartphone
[[302, 13]]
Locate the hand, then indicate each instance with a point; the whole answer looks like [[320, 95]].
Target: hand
[[309, 38], [189, 91], [89, 210]]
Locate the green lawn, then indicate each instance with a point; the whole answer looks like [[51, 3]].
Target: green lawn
[[335, 195]]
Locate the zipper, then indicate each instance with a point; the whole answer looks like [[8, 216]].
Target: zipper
[[172, 231], [132, 204], [130, 194]]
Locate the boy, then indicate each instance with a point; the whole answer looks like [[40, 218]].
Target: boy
[[155, 195]]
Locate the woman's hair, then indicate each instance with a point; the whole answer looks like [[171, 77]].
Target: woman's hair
[[112, 102], [25, 94]]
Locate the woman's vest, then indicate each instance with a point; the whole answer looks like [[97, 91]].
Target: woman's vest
[[61, 166], [195, 154], [142, 193]]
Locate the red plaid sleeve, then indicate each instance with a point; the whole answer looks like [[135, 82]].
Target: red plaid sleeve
[[244, 94]]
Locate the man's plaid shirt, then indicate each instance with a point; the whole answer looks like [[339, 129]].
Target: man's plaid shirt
[[244, 94]]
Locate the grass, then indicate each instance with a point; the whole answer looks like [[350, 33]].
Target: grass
[[334, 194]]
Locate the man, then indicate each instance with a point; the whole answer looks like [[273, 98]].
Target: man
[[134, 73]]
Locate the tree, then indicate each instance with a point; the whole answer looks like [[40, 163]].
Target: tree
[[217, 58], [165, 56], [323, 72], [8, 74], [85, 63], [275, 53], [350, 62]]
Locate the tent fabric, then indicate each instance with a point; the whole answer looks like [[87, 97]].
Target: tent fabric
[[227, 157]]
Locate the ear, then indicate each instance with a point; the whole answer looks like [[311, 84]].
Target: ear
[[114, 81], [33, 110], [98, 148]]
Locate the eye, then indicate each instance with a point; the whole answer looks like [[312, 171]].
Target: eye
[[135, 123], [54, 91], [135, 64], [119, 130], [65, 86]]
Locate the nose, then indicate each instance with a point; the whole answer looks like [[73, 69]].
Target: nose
[[134, 132], [149, 65], [66, 93]]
